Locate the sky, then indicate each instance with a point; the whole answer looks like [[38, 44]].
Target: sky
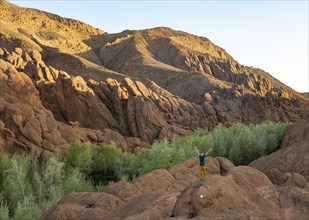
[[271, 35]]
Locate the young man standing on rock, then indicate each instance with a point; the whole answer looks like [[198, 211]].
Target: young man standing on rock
[[202, 160]]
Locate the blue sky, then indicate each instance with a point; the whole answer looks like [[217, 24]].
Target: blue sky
[[271, 35]]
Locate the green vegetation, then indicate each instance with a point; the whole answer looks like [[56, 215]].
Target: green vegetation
[[29, 186]]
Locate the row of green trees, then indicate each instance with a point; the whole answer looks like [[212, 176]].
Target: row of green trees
[[29, 186], [240, 143]]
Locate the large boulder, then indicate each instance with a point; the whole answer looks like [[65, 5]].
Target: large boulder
[[294, 202], [150, 205], [124, 190], [225, 165], [84, 206], [154, 180], [239, 193], [243, 193]]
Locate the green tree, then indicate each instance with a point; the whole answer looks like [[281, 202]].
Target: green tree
[[79, 156], [107, 163]]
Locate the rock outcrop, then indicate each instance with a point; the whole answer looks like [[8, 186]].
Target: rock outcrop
[[177, 55], [25, 123], [131, 112], [239, 193], [63, 80], [117, 109]]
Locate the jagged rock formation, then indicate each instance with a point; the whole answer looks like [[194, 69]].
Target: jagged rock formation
[[229, 193], [24, 122], [177, 55], [128, 107], [132, 88]]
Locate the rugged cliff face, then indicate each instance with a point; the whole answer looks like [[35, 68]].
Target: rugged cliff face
[[63, 80]]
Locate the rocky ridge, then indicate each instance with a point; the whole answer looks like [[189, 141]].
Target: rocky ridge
[[128, 107], [178, 55], [132, 88], [127, 111]]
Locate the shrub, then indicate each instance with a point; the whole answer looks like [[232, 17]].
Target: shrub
[[4, 211], [5, 164], [29, 187], [107, 163], [79, 156], [27, 209], [15, 185], [76, 182], [162, 155]]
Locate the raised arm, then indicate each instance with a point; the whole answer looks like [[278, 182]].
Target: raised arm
[[196, 151], [208, 151]]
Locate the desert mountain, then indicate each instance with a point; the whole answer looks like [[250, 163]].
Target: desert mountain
[[167, 57], [230, 192], [63, 80]]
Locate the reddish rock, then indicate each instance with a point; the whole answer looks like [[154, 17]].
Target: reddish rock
[[295, 179], [112, 136], [149, 182], [241, 193], [229, 197], [84, 206], [225, 165], [294, 202], [124, 190]]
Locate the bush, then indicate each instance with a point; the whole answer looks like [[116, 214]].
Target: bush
[[107, 163], [79, 156], [76, 182], [5, 164], [162, 155], [101, 164], [27, 210], [240, 143], [4, 211], [15, 185], [29, 187]]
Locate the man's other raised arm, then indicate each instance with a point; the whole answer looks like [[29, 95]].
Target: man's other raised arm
[[208, 151]]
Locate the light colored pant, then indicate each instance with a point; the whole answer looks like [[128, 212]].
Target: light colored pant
[[202, 172]]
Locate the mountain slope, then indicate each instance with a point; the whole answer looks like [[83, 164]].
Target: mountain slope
[[163, 53], [133, 87], [34, 28]]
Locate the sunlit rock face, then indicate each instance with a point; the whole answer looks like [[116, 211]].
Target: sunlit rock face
[[63, 80]]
